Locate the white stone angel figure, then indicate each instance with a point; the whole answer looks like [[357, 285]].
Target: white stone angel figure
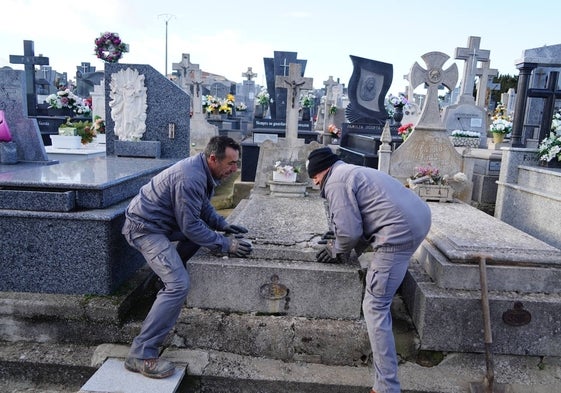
[[128, 104]]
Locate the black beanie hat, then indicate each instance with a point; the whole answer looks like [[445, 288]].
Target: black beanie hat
[[320, 159]]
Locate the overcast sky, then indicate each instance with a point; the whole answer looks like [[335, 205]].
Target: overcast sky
[[227, 37]]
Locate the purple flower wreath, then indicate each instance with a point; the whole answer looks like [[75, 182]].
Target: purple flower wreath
[[109, 47]]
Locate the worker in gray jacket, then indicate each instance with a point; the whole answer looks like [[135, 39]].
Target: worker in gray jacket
[[169, 219], [370, 208]]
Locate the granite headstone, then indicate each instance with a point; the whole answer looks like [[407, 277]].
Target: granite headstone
[[429, 143], [167, 116], [465, 114], [368, 86], [278, 66], [25, 131]]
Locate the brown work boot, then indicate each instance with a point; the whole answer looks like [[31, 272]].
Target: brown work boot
[[152, 368]]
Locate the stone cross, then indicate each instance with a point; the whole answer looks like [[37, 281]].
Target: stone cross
[[433, 77], [196, 82], [46, 71], [284, 66], [294, 82], [329, 83], [30, 60], [471, 55], [485, 75], [84, 68], [183, 68], [249, 74]]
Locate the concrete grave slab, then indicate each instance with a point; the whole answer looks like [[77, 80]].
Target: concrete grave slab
[[281, 276], [442, 286]]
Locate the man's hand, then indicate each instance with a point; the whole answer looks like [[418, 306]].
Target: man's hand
[[324, 256], [239, 248], [235, 229]]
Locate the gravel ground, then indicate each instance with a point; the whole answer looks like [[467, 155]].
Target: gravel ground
[[44, 368], [30, 387]]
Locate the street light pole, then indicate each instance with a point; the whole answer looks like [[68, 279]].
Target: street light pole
[[167, 18]]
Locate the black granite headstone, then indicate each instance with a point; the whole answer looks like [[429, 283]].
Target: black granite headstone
[[86, 78], [368, 87], [278, 65]]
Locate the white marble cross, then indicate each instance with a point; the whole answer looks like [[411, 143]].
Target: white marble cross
[[433, 77], [471, 55], [294, 83]]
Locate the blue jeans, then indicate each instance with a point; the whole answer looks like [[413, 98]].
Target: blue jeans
[[164, 259], [384, 276]]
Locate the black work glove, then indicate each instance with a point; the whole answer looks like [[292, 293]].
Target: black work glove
[[324, 256], [234, 229], [329, 235], [239, 248]]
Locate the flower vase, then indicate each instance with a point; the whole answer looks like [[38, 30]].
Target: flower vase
[[100, 139], [433, 192], [465, 141], [398, 114], [498, 137], [284, 177], [60, 112], [553, 163], [306, 114], [66, 142]]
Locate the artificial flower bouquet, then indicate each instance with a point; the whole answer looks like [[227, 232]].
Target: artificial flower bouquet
[[263, 97], [405, 130], [397, 101], [502, 122], [334, 130], [550, 148], [285, 172]]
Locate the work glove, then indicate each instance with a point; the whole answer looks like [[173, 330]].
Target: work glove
[[329, 235], [239, 248], [325, 256], [234, 229]]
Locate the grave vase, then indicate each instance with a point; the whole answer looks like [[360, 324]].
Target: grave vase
[[100, 139], [433, 192], [465, 141], [554, 163], [498, 137], [260, 111], [60, 112], [398, 114], [306, 114], [284, 177], [66, 141]]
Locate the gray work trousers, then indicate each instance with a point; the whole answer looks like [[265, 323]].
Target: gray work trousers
[[165, 258]]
